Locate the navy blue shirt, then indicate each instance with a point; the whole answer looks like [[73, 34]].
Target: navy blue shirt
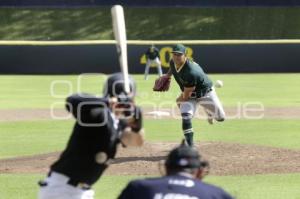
[[152, 53], [175, 186]]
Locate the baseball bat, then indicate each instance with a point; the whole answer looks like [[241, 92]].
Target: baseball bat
[[119, 30]]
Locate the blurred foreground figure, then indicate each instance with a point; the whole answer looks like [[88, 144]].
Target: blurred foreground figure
[[101, 124], [184, 171]]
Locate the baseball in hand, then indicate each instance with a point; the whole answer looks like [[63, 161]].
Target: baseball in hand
[[219, 84]]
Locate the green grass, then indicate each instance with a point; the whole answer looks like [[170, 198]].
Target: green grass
[[37, 91], [276, 133], [33, 137], [28, 138], [196, 23], [18, 186], [23, 186], [272, 186], [272, 90]]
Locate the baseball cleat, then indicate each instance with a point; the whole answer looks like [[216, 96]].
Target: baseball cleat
[[210, 120]]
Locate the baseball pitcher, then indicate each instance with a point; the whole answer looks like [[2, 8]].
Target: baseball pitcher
[[196, 89]]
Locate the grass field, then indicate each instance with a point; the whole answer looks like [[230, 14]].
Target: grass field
[[245, 187], [19, 138], [196, 23], [27, 138], [273, 90]]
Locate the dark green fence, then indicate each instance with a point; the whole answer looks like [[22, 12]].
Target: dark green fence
[[151, 23], [102, 58]]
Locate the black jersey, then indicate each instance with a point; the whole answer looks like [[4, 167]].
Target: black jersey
[[175, 186], [93, 140], [152, 53]]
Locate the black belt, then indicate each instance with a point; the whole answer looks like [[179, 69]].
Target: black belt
[[194, 94], [72, 182], [81, 185]]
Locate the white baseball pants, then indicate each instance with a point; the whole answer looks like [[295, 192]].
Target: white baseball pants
[[151, 62], [57, 188], [211, 104]]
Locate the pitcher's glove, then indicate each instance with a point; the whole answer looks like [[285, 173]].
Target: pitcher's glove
[[162, 83]]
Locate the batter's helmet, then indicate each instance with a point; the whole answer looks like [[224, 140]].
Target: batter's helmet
[[114, 87]]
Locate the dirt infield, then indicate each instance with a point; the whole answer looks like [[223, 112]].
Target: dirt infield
[[235, 113], [225, 159]]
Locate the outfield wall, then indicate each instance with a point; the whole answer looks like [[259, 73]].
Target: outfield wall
[[100, 56], [243, 23]]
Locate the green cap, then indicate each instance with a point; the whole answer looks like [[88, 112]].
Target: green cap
[[179, 48]]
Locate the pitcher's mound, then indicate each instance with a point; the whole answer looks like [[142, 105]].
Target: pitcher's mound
[[225, 159]]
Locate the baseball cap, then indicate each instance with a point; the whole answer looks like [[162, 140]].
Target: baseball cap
[[183, 157], [179, 48]]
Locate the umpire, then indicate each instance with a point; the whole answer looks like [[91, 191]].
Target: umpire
[[183, 173], [101, 124]]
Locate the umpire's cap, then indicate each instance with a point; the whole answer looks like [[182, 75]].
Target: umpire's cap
[[183, 157], [179, 48], [114, 87]]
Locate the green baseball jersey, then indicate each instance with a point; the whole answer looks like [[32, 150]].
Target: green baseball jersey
[[191, 74]]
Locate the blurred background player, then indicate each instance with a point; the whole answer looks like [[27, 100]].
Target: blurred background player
[[153, 59], [101, 124], [196, 89], [182, 180]]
